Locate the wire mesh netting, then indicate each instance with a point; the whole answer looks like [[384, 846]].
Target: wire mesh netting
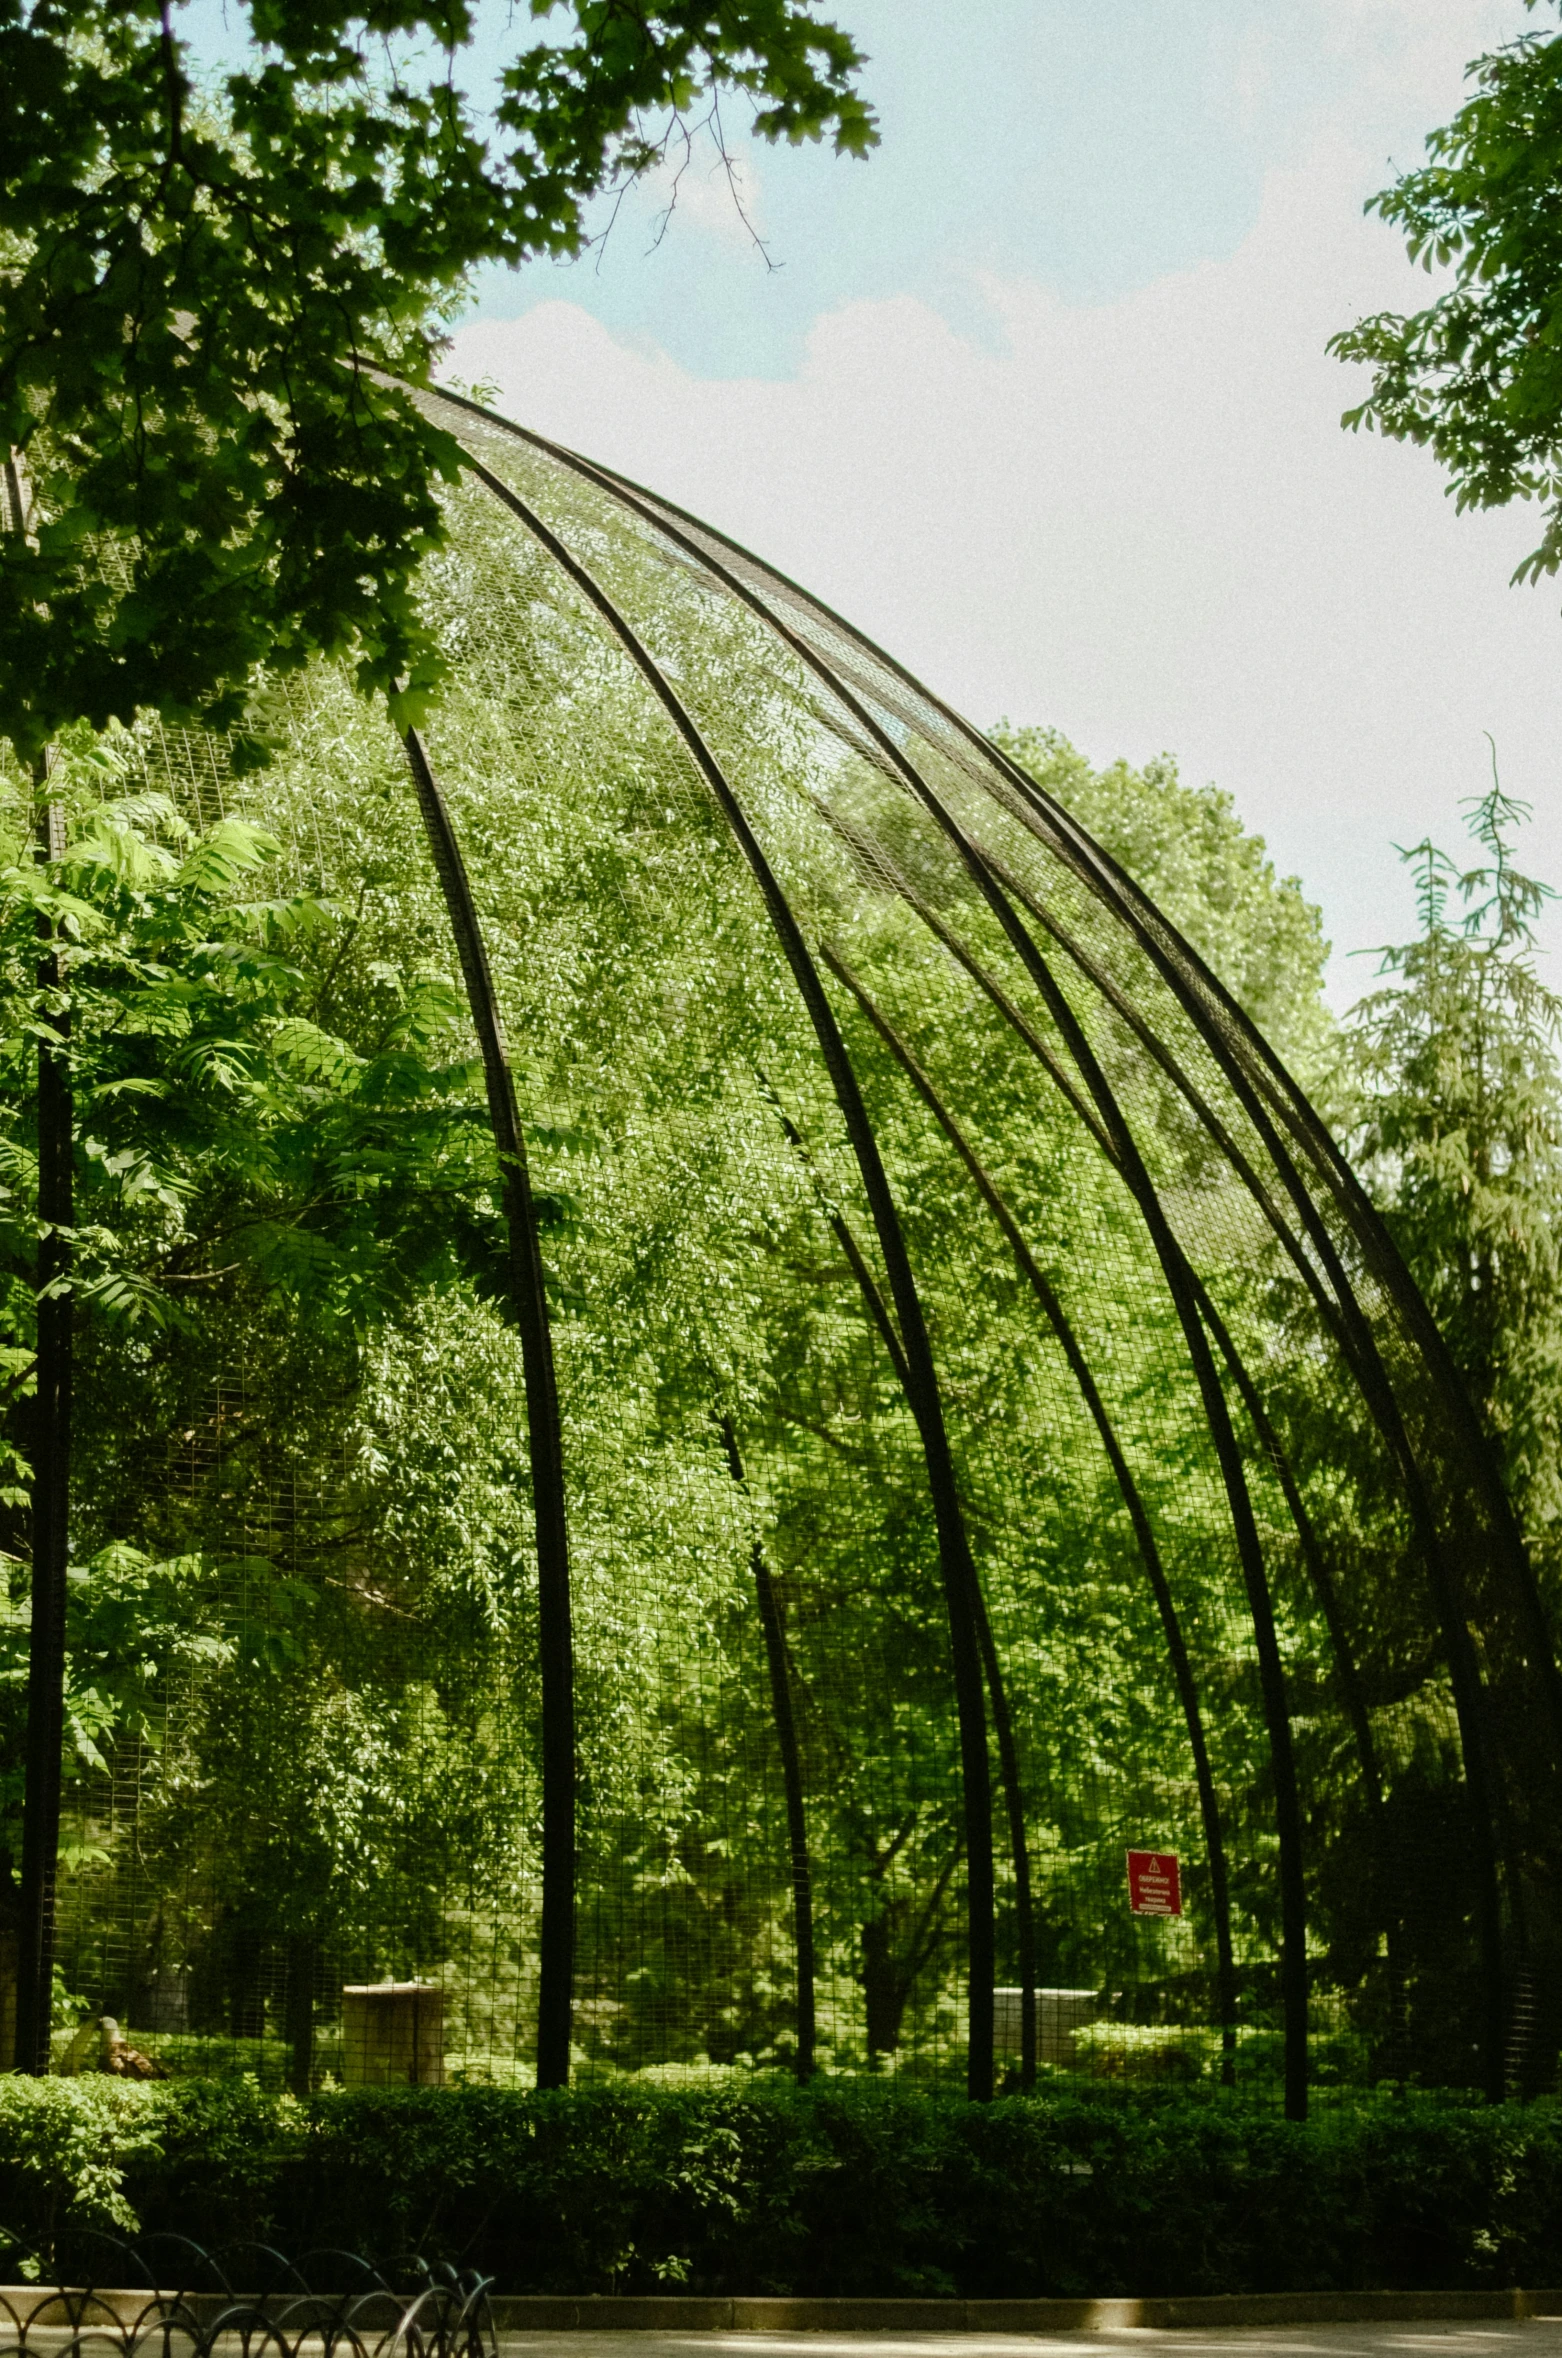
[[996, 1437]]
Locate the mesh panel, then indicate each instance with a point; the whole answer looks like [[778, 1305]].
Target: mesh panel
[[1219, 1531]]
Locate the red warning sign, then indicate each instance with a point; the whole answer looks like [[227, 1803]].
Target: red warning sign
[[1154, 1883]]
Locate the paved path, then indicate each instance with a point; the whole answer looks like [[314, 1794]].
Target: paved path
[[1539, 2337]]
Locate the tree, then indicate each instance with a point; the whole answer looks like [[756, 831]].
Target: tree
[[221, 1127], [228, 1149], [204, 270], [1187, 848], [1459, 1134], [1477, 376], [220, 291]]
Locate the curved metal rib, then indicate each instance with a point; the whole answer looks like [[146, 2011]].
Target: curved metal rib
[[1267, 1094], [1155, 1571], [528, 1302], [1293, 1965], [1342, 1319], [959, 1573], [1112, 885], [1362, 1355], [1149, 1039], [1271, 1670], [51, 1490], [870, 847], [791, 1772], [1388, 1911], [1312, 1552], [1327, 1306], [997, 1688]]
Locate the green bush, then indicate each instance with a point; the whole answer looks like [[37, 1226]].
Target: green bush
[[1145, 2051], [750, 2185]]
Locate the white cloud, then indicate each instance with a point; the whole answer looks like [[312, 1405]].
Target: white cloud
[[1139, 521]]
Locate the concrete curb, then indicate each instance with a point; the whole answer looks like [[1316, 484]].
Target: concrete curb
[[42, 2305], [606, 2313]]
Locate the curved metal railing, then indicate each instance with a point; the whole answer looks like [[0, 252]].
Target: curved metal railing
[[169, 2297]]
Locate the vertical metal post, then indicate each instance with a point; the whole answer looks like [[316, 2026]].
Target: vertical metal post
[[1150, 1555], [791, 1774], [298, 2011], [997, 1691], [1019, 1841], [1271, 1668], [51, 1443], [958, 1571], [528, 1304]]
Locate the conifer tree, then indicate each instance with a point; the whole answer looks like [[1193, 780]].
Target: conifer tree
[[1460, 1136]]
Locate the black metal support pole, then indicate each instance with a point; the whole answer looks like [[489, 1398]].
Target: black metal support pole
[[298, 2011], [1318, 1572], [997, 1696], [1149, 1551], [1359, 1348], [50, 1514], [1271, 1669], [529, 1308], [791, 1773], [1019, 1840], [1110, 1123], [1221, 1024], [956, 1568], [1325, 1588], [997, 1690]]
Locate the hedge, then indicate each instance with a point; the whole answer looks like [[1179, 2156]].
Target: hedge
[[748, 2185]]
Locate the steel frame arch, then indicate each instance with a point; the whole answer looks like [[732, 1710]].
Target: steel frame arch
[[545, 1437], [1144, 1534], [1116, 889], [959, 1573], [1272, 1681], [1255, 1073], [1464, 1607]]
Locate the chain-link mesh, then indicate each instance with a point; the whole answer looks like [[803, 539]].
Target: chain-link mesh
[[966, 1335]]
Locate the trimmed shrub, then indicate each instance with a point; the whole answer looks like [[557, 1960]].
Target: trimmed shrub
[[748, 2185]]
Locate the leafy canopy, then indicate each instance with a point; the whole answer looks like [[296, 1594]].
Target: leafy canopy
[[199, 267], [1477, 376], [221, 1130], [235, 1156], [1187, 848]]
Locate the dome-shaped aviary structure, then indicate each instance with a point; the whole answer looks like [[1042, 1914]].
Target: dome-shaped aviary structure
[[950, 1417]]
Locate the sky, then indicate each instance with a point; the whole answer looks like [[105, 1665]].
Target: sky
[[1038, 395]]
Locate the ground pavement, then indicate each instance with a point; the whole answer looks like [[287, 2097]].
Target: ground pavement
[[1537, 2337]]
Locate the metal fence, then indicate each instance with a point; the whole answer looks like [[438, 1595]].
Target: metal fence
[[167, 2297], [946, 1539]]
